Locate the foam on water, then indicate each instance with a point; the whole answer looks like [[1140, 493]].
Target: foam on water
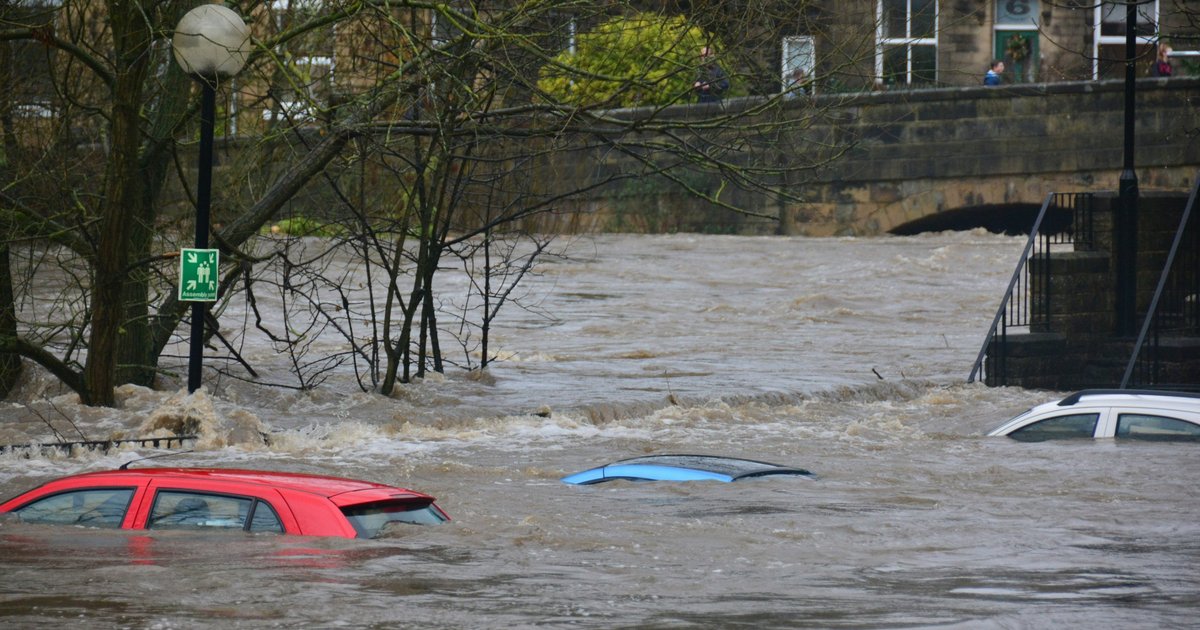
[[843, 356]]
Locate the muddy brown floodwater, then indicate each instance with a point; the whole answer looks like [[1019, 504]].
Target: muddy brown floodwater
[[844, 356]]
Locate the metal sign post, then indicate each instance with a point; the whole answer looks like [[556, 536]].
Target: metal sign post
[[211, 42]]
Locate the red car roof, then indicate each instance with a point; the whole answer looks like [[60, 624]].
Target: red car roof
[[321, 485], [305, 504]]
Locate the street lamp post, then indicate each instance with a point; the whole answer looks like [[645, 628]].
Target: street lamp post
[[1126, 223], [211, 42]]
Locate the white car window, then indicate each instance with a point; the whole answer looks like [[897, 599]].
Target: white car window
[[1078, 425], [1138, 426]]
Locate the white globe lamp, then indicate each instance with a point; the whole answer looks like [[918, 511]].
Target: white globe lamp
[[211, 41]]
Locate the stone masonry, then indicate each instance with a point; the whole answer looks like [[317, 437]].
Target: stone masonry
[[910, 155]]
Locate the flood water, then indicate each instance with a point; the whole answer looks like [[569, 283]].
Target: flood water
[[844, 356]]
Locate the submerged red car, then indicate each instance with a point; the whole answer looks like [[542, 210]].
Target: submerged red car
[[204, 498]]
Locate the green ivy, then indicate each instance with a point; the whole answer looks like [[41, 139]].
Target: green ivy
[[645, 59]]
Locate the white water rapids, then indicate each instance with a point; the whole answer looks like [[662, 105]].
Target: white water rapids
[[847, 357]]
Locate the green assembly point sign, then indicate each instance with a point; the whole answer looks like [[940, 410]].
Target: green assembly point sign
[[198, 275]]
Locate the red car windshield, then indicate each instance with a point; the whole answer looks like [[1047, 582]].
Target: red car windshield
[[371, 518]]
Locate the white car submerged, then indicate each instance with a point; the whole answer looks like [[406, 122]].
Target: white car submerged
[[1110, 413]]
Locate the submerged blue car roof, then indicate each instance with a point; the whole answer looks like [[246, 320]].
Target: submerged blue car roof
[[682, 468]]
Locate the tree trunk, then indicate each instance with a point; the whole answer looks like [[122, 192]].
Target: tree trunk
[[10, 364], [138, 353], [122, 193]]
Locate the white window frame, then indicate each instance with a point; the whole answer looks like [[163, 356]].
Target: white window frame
[[907, 41], [296, 111], [299, 108], [37, 109], [797, 51], [1099, 40], [1034, 22], [282, 6]]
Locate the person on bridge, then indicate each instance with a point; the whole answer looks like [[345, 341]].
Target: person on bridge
[[712, 81], [993, 74], [1162, 65], [798, 83]]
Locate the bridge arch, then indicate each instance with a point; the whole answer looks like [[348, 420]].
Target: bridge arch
[[952, 157], [1013, 219]]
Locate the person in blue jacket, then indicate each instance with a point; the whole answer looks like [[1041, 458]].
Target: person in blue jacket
[[993, 74]]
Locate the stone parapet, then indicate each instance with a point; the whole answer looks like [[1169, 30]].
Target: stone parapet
[[913, 154]]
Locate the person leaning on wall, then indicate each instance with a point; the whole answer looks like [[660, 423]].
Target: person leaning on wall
[[993, 74], [1161, 67], [797, 83], [712, 82]]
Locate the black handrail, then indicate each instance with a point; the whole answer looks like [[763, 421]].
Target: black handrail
[[1012, 285], [1151, 314], [1017, 300]]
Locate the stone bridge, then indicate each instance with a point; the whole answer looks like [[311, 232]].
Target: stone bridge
[[945, 159]]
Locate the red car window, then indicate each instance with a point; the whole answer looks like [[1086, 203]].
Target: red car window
[[94, 507], [174, 509], [264, 519], [370, 520]]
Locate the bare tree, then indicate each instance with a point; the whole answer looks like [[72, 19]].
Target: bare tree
[[414, 133]]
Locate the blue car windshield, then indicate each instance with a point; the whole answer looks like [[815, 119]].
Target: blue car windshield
[[682, 468], [721, 465]]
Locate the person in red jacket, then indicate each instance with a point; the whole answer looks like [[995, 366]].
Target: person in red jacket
[[1161, 66]]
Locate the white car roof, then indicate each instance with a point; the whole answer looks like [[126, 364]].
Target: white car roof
[[1183, 404], [1132, 393], [1149, 398]]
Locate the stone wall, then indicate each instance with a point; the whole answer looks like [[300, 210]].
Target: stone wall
[[910, 155]]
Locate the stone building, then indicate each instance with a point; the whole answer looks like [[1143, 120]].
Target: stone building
[[852, 45], [926, 43], [829, 45]]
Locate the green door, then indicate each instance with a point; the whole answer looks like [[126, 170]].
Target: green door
[[1019, 50]]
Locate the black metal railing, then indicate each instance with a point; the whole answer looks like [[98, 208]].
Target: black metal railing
[[1174, 309], [174, 441], [1064, 219]]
